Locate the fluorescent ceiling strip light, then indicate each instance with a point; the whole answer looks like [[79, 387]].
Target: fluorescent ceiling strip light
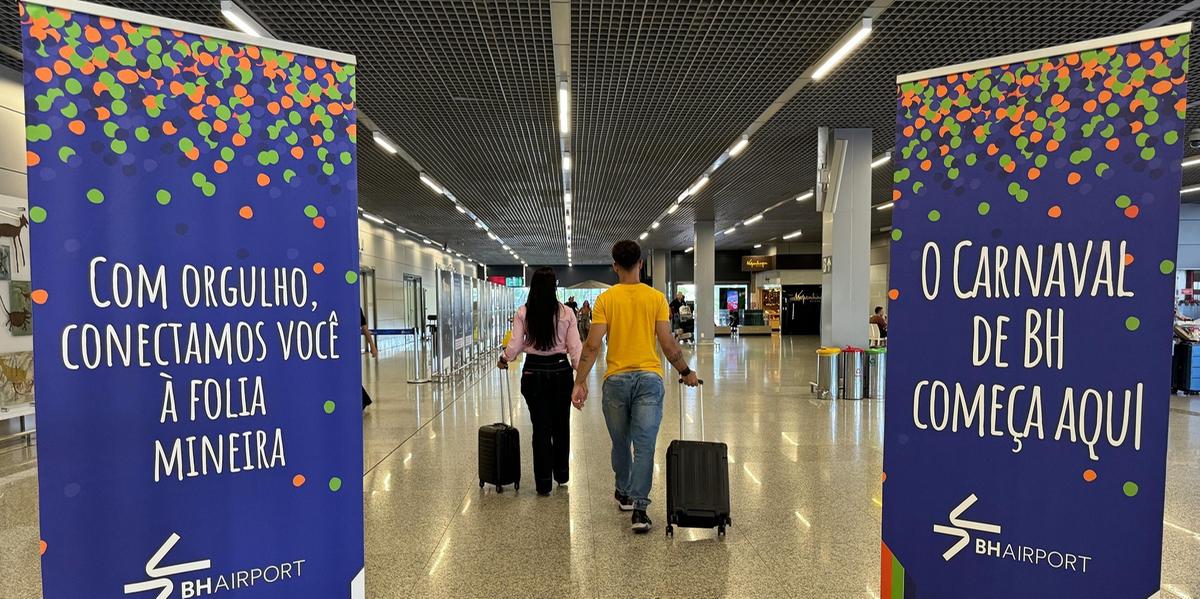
[[739, 146], [242, 19], [566, 162], [757, 245], [752, 219], [460, 208], [1191, 161], [694, 189], [655, 225], [792, 235], [885, 205], [479, 224], [689, 250], [644, 235], [673, 208], [372, 218], [882, 160], [682, 196], [804, 196], [431, 184], [1191, 189], [729, 230], [843, 50], [564, 109], [382, 141]]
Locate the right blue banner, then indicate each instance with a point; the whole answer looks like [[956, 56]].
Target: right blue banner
[[1032, 275]]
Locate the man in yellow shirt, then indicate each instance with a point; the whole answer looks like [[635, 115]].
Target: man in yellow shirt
[[637, 321]]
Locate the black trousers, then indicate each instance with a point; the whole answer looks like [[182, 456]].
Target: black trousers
[[546, 384]]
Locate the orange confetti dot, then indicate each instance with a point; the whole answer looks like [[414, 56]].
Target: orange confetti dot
[[297, 152], [107, 23], [894, 294], [39, 296], [127, 76], [90, 34], [926, 164], [239, 140], [263, 180], [319, 222], [1112, 144], [1073, 178], [1089, 475], [1132, 211], [318, 267], [31, 158], [219, 126], [193, 153], [1052, 145], [1135, 127], [1090, 106], [61, 68], [1054, 212], [1034, 173], [77, 127], [1128, 259], [102, 113], [895, 194], [219, 166], [42, 547], [992, 149], [1010, 167], [150, 102], [1161, 87], [246, 212], [298, 481], [44, 74], [169, 128], [883, 478]]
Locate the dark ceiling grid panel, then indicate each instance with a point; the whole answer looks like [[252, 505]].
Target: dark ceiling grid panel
[[910, 36], [660, 89]]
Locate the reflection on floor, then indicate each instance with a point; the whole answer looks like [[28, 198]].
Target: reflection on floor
[[804, 477]]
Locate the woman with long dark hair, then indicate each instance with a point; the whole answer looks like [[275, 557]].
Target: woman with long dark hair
[[547, 332]]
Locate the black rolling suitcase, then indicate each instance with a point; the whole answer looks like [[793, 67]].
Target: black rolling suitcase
[[500, 447], [697, 480]]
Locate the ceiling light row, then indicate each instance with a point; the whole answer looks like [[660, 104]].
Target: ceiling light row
[[383, 222], [564, 144], [439, 189]]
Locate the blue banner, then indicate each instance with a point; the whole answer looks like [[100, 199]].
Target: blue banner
[[193, 208], [1032, 273]]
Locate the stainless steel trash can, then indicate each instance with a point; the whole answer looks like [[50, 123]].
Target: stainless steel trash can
[[828, 377], [852, 372], [876, 372]]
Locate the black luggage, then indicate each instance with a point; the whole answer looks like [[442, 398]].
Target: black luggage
[[500, 447], [697, 480]]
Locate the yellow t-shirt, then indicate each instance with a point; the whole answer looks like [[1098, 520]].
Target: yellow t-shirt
[[630, 312]]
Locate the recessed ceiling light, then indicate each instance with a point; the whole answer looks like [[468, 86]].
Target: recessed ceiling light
[[792, 235], [739, 146], [848, 43], [752, 219], [689, 250], [804, 196], [885, 205]]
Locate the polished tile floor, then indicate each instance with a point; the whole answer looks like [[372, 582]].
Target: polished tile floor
[[804, 475]]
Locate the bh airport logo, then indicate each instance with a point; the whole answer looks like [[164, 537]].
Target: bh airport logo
[[961, 527], [165, 578]]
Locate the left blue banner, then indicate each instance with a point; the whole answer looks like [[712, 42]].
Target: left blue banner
[[192, 199]]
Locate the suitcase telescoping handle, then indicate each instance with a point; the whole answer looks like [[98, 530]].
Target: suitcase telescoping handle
[[506, 393], [700, 395]]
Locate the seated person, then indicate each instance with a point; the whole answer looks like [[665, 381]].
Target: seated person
[[878, 319]]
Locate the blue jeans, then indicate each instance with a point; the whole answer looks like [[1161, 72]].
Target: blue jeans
[[633, 408]]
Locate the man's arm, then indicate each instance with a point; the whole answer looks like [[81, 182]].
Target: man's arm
[[587, 358], [674, 353]]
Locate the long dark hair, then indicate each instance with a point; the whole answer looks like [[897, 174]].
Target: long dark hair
[[541, 309]]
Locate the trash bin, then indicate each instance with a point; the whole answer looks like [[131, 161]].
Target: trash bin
[[876, 372], [852, 372], [826, 385]]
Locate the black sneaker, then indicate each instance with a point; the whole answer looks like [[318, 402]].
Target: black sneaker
[[623, 501], [641, 522]]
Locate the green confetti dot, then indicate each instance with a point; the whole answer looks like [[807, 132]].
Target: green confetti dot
[[897, 234], [934, 216], [37, 214], [1132, 323], [1166, 267], [163, 196], [1123, 201], [1147, 153], [345, 158], [984, 208], [1130, 488], [310, 211], [329, 406], [335, 484], [351, 277], [208, 189], [95, 196]]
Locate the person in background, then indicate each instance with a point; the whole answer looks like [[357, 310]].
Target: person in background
[[675, 305], [585, 319], [547, 332], [880, 320], [633, 316], [570, 303], [371, 347]]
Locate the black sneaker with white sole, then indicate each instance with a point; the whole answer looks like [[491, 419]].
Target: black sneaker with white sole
[[640, 521], [623, 501]]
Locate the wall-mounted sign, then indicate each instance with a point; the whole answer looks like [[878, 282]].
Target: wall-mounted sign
[[758, 263], [826, 264], [514, 282]]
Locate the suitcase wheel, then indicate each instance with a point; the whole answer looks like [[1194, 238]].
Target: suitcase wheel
[[670, 531], [481, 483], [499, 488], [517, 486], [721, 530]]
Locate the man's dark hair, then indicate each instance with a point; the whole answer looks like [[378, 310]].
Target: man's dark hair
[[626, 253], [878, 309]]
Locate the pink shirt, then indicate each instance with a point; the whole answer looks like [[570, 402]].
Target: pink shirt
[[566, 337]]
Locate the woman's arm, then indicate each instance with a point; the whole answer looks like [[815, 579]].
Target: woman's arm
[[574, 344], [516, 344]]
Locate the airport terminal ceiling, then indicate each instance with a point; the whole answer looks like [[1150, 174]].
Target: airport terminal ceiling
[[658, 91]]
